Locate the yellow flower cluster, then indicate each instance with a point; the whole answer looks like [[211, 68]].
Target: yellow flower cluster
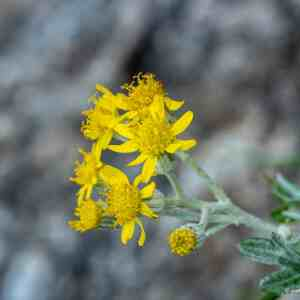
[[141, 118], [182, 241]]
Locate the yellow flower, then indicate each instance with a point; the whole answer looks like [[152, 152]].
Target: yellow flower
[[141, 93], [101, 119], [89, 213], [152, 137], [182, 241], [90, 172], [125, 202], [87, 172]]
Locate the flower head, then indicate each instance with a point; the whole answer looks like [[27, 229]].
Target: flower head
[[101, 119], [141, 94], [89, 213], [91, 171], [87, 172], [152, 137], [182, 241], [125, 203]]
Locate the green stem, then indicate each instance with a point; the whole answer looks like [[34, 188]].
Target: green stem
[[175, 185], [256, 224], [204, 218], [238, 215], [217, 191]]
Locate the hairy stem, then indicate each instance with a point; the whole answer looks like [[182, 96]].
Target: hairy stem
[[175, 184], [216, 190]]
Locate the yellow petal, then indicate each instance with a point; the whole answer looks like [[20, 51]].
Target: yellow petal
[[106, 139], [182, 123], [137, 180], [120, 101], [147, 211], [157, 108], [74, 224], [126, 147], [124, 130], [148, 169], [147, 191], [129, 115], [142, 238], [127, 232], [89, 190], [140, 159], [187, 144], [112, 175], [102, 89], [105, 104], [80, 195], [172, 148], [172, 104]]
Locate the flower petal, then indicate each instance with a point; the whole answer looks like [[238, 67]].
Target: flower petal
[[187, 144], [120, 101], [106, 139], [140, 159], [148, 169], [137, 180], [173, 105], [112, 175], [102, 89], [147, 191], [127, 232], [172, 148], [142, 238], [157, 108], [182, 123], [124, 130], [126, 147], [147, 211]]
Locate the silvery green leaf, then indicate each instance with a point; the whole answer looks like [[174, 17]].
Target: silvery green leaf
[[281, 282], [290, 188], [292, 214], [261, 250]]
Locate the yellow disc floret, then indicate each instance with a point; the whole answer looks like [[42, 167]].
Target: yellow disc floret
[[153, 136], [141, 93], [182, 241], [142, 89], [89, 213], [124, 202]]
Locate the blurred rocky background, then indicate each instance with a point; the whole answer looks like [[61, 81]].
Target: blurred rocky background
[[237, 64]]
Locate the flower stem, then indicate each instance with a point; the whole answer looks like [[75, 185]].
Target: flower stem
[[216, 190], [175, 185], [256, 224]]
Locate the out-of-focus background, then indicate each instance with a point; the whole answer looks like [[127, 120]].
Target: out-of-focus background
[[236, 63]]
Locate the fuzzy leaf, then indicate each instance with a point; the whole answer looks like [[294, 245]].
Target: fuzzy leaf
[[261, 250], [278, 214], [281, 282], [288, 187], [292, 214]]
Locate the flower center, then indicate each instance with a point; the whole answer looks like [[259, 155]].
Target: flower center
[[124, 202], [153, 136], [142, 90], [182, 241], [90, 214]]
